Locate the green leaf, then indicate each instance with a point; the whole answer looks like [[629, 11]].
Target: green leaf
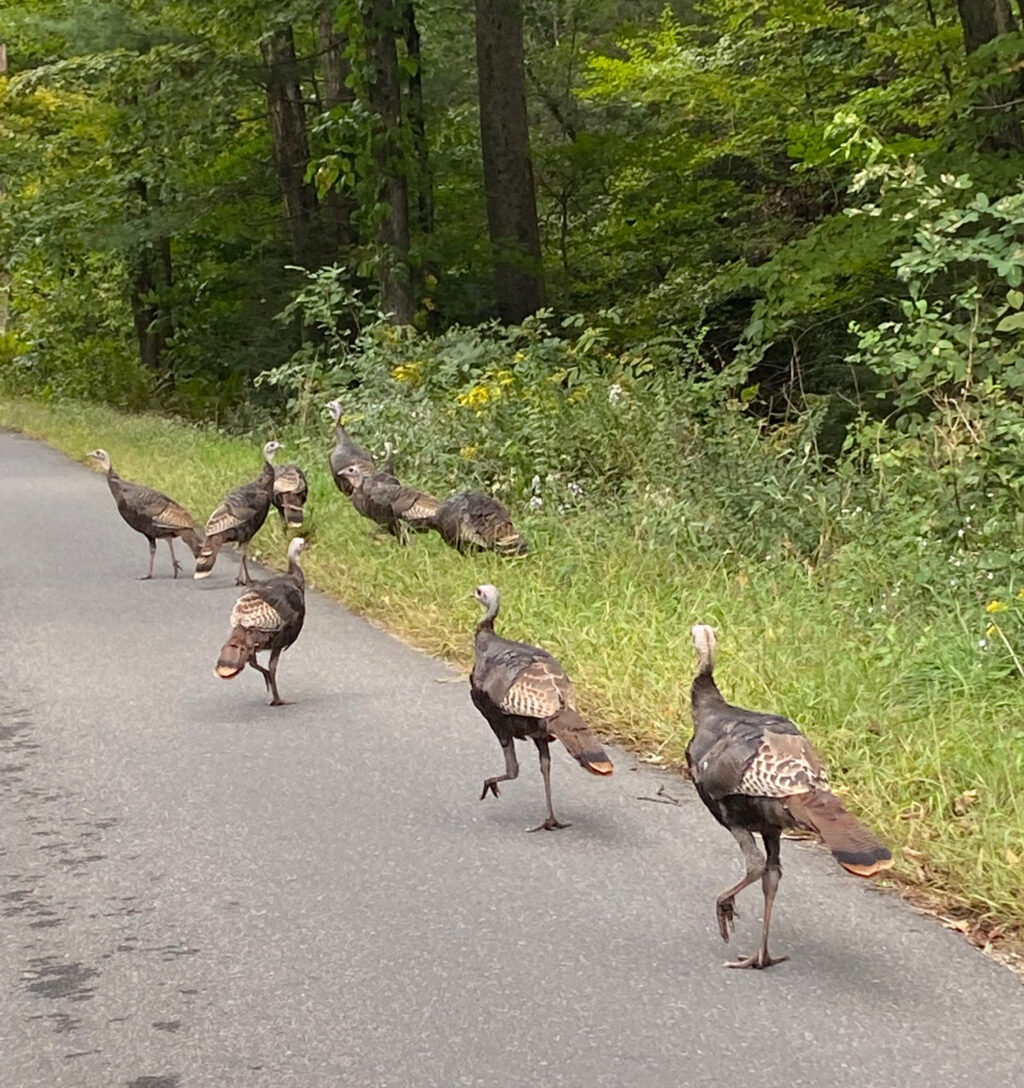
[[1011, 323]]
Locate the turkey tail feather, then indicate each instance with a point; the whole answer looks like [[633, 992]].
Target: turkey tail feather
[[207, 557], [580, 741], [855, 847], [234, 653]]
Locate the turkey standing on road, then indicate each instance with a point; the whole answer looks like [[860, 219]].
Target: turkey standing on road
[[471, 520], [758, 773], [239, 518], [289, 497], [151, 513], [380, 497], [523, 693], [268, 617], [345, 452]]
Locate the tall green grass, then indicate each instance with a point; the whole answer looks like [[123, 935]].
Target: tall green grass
[[923, 728]]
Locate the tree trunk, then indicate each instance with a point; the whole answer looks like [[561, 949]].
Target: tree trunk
[[417, 124], [151, 282], [382, 22], [287, 117], [508, 173], [339, 206], [983, 20]]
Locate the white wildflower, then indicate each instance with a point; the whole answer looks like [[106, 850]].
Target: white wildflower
[[615, 393], [536, 502]]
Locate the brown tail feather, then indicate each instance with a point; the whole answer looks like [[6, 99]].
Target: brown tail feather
[[234, 653], [207, 556], [580, 742], [852, 844]]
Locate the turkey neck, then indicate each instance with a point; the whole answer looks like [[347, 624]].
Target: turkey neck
[[705, 696], [295, 570], [486, 626]]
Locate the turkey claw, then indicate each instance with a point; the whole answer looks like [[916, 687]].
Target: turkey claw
[[727, 914], [550, 824], [491, 785]]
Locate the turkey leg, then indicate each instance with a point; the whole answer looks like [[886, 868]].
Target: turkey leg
[[551, 823]]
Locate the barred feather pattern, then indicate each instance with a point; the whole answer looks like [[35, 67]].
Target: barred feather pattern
[[784, 765], [252, 612]]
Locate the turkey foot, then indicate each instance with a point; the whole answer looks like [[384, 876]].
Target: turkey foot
[[492, 785], [550, 824], [759, 960]]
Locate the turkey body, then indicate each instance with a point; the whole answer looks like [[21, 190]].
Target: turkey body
[[269, 617], [289, 494], [392, 505], [758, 774], [151, 513], [239, 518], [524, 694], [473, 521]]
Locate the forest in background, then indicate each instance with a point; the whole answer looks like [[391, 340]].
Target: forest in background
[[713, 286]]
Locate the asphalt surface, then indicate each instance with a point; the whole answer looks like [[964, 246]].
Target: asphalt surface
[[201, 891]]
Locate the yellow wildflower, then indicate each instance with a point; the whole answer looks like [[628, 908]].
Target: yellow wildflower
[[1020, 595], [518, 357], [990, 630], [478, 396], [407, 372], [997, 606], [467, 453]]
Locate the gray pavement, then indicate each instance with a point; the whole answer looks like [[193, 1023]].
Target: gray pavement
[[200, 891]]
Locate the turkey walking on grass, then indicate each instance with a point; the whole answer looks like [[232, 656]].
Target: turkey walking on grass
[[757, 773], [289, 495], [268, 617], [239, 518], [473, 521], [152, 514], [394, 506], [523, 693]]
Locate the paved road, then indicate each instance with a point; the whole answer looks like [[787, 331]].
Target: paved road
[[199, 891]]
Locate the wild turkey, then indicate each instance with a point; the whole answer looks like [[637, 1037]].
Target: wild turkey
[[345, 452], [268, 617], [523, 693], [757, 773], [289, 496], [471, 520], [393, 505], [151, 513], [238, 519]]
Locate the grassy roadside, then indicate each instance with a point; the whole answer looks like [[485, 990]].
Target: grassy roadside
[[889, 689]]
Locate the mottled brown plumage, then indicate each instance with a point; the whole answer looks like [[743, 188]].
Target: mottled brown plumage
[[757, 773], [523, 693], [473, 521], [394, 506], [289, 494], [239, 518], [152, 514], [268, 617]]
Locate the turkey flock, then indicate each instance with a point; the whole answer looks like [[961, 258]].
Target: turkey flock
[[755, 772]]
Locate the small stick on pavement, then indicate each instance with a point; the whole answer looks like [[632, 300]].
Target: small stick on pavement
[[662, 798]]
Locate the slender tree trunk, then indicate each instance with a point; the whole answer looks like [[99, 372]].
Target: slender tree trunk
[[382, 21], [339, 206], [151, 282], [508, 173], [287, 117], [982, 21], [417, 124]]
